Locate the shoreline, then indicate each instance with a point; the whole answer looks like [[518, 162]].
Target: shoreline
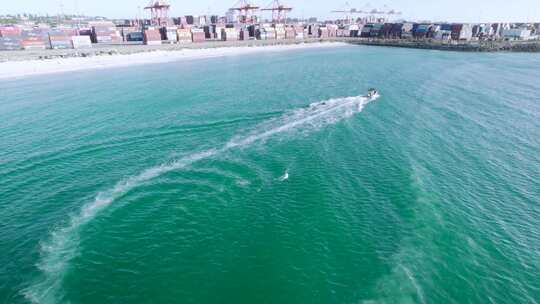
[[123, 56], [19, 64]]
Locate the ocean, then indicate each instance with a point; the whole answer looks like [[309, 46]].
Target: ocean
[[268, 178]]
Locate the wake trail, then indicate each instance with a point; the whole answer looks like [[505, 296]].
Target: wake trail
[[63, 244]]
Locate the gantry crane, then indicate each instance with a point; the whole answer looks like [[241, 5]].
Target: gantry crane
[[348, 12], [159, 11], [246, 11], [279, 11]]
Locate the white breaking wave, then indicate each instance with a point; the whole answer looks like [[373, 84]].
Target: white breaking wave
[[63, 243], [285, 176]]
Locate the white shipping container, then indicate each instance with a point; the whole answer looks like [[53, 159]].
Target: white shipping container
[[81, 42], [218, 33], [171, 36]]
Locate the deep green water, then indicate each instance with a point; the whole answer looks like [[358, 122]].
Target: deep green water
[[164, 183]]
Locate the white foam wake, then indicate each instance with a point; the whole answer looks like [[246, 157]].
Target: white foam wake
[[64, 242]]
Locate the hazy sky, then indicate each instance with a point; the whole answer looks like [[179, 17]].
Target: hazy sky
[[436, 10]]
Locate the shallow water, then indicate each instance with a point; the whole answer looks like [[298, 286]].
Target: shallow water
[[267, 178]]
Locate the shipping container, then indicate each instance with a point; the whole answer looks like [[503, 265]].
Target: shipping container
[[406, 30], [366, 30], [168, 33], [10, 31], [152, 37], [31, 43], [81, 42], [197, 35], [10, 43], [386, 30], [60, 42], [184, 35], [105, 32], [229, 34], [332, 30], [219, 31], [290, 33], [135, 37], [270, 32], [244, 34], [323, 32]]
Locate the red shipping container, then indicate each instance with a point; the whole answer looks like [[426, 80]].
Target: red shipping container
[[198, 36], [10, 31]]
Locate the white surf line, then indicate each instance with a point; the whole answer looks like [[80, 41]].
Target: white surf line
[[63, 244], [19, 69]]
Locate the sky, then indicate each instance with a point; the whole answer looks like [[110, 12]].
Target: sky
[[414, 10]]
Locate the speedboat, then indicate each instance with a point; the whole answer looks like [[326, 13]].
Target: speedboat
[[372, 93]]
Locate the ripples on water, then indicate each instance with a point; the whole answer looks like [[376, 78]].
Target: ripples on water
[[243, 186]]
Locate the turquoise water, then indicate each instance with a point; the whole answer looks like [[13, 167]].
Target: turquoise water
[[215, 181]]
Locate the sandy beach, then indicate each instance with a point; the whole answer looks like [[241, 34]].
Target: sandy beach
[[102, 58]]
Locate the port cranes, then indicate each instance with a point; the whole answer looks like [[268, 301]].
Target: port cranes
[[159, 11], [279, 11], [246, 11], [369, 14]]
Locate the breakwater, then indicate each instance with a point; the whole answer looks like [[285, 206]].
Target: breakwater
[[463, 46]]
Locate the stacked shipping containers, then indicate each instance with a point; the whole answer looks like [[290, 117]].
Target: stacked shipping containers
[[280, 31], [10, 31], [269, 31], [420, 31], [169, 34], [197, 35], [444, 32], [10, 43], [407, 30], [81, 42], [209, 32], [104, 32], [219, 31], [355, 30], [386, 30], [34, 39], [313, 31], [376, 30], [366, 30], [299, 32], [341, 32], [332, 30], [395, 31], [10, 38], [61, 38], [127, 35], [152, 37], [244, 34], [456, 31], [184, 35], [461, 31], [290, 33], [135, 37], [230, 34], [323, 32]]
